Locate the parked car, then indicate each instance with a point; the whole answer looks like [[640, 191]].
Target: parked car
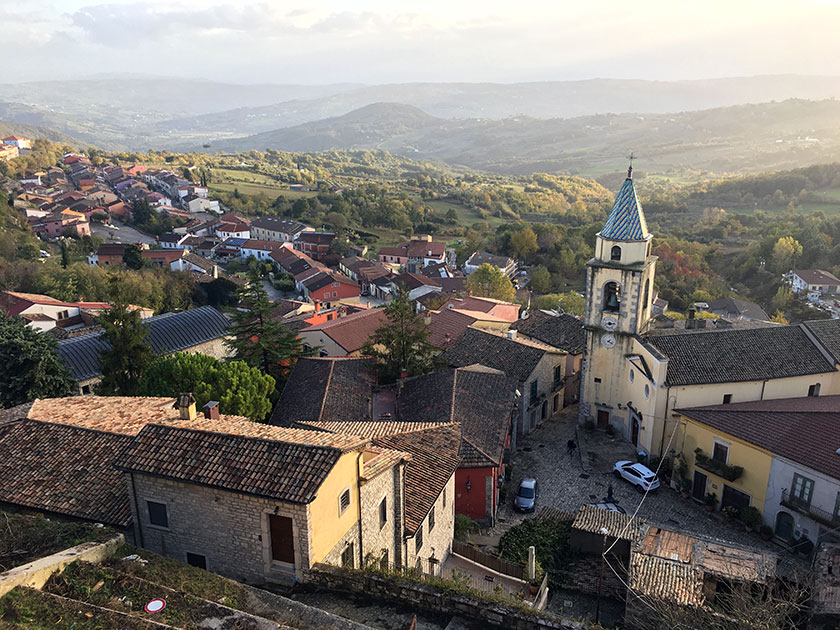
[[526, 497], [612, 507], [638, 474]]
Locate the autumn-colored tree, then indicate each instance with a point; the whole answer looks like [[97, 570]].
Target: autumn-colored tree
[[785, 253], [524, 242], [488, 281]]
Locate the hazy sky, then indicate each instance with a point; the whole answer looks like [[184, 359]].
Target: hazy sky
[[378, 41]]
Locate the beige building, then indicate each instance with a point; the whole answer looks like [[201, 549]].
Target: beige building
[[634, 378]]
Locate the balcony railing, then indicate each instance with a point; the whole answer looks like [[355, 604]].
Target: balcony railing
[[803, 507], [721, 469]]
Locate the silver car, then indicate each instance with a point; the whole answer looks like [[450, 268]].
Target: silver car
[[526, 497], [638, 474]]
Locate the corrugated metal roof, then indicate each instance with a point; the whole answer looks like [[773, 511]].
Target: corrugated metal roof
[[168, 333]]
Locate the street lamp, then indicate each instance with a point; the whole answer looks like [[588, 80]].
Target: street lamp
[[604, 532]]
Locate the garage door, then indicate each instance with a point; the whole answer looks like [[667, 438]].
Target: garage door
[[734, 497]]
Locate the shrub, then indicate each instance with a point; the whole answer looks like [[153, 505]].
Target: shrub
[[464, 526], [750, 516], [549, 537]]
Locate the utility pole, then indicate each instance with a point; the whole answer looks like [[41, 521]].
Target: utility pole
[[604, 532]]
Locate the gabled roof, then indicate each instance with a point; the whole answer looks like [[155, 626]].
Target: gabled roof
[[827, 333], [738, 355], [514, 358], [804, 430], [560, 331], [278, 225], [260, 463], [351, 332], [626, 221], [733, 307], [434, 459], [486, 258], [817, 276], [168, 333], [63, 469], [326, 389]]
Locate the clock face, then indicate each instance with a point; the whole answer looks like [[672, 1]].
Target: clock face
[[608, 340], [608, 322]]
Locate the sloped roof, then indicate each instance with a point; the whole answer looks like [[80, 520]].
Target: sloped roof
[[352, 331], [626, 221], [804, 430], [738, 308], [64, 469], [434, 459], [326, 389], [168, 333], [560, 331], [827, 332], [817, 276], [250, 465], [738, 355], [278, 225], [514, 358], [622, 526]]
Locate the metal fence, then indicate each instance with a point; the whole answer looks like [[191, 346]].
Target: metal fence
[[513, 569]]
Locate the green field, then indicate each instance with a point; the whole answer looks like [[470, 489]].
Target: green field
[[251, 183]]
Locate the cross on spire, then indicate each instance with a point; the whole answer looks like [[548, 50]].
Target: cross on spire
[[630, 157]]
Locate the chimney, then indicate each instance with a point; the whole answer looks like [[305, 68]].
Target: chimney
[[211, 410], [317, 307], [186, 406], [511, 334], [447, 339], [690, 323]]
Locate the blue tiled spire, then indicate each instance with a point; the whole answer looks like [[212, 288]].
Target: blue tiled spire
[[626, 221]]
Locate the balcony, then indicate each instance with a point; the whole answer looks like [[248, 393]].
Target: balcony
[[721, 469], [821, 516]]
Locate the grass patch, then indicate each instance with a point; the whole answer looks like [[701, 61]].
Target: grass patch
[[27, 537]]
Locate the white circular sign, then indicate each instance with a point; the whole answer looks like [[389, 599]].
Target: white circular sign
[[156, 605]]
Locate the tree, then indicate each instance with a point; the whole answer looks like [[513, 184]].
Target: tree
[[402, 342], [31, 365], [488, 281], [260, 340], [132, 257], [240, 389], [524, 242], [128, 353], [540, 279], [571, 303], [785, 252]]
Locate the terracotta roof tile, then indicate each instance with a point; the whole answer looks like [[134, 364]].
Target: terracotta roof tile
[[622, 526], [352, 331], [560, 331]]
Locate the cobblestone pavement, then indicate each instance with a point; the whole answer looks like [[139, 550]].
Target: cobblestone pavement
[[567, 482]]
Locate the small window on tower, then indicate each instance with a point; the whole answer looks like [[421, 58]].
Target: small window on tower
[[615, 253]]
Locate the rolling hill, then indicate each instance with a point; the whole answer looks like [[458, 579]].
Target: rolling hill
[[34, 131]]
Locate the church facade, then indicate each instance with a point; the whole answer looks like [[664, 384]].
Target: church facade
[[635, 379]]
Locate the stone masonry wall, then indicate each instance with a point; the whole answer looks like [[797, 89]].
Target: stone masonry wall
[[376, 537], [437, 543], [351, 537], [231, 530]]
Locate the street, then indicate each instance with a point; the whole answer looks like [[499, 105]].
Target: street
[[125, 233]]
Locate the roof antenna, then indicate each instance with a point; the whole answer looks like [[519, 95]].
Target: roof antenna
[[630, 157]]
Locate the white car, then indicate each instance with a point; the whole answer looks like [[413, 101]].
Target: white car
[[638, 474]]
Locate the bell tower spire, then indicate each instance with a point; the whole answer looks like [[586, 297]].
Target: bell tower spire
[[630, 157]]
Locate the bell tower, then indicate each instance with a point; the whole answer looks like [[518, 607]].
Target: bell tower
[[619, 289]]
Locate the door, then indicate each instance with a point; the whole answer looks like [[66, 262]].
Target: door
[[603, 418], [784, 526], [698, 488], [282, 539], [634, 431], [734, 497], [544, 410]]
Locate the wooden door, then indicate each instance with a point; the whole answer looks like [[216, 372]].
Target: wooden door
[[603, 418], [282, 539], [698, 488]]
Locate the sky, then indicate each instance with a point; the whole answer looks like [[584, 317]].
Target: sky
[[396, 41]]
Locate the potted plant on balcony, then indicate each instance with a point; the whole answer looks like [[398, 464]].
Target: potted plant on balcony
[[766, 532], [710, 501]]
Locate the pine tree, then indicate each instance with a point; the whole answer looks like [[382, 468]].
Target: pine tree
[[128, 355], [257, 338], [402, 342]]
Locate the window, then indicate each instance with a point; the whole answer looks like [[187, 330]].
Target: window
[[612, 297], [615, 253], [814, 390], [534, 387], [720, 452], [647, 294], [197, 560], [727, 398], [157, 514], [383, 512], [802, 489], [86, 389], [383, 561], [597, 380], [432, 519], [344, 501], [348, 556], [444, 497], [418, 539], [632, 375], [558, 374]]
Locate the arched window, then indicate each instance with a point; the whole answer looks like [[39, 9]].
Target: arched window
[[612, 297], [645, 304], [615, 253]]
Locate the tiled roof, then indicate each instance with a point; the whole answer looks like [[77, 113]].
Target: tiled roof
[[326, 389], [278, 225], [817, 276], [737, 355], [370, 428], [560, 331], [250, 465], [827, 332], [733, 307], [446, 326], [663, 579], [434, 459], [626, 221], [784, 427], [486, 258], [199, 261], [63, 469], [14, 413], [622, 526], [514, 358], [384, 459], [168, 333], [352, 331]]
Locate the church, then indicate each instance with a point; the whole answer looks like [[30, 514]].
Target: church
[[635, 378]]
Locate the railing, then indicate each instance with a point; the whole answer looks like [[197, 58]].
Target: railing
[[803, 507], [721, 469], [512, 569]]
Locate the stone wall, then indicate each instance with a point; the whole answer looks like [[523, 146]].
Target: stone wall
[[231, 530], [352, 537], [375, 536], [584, 575], [437, 543], [544, 373], [215, 348], [429, 598]]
